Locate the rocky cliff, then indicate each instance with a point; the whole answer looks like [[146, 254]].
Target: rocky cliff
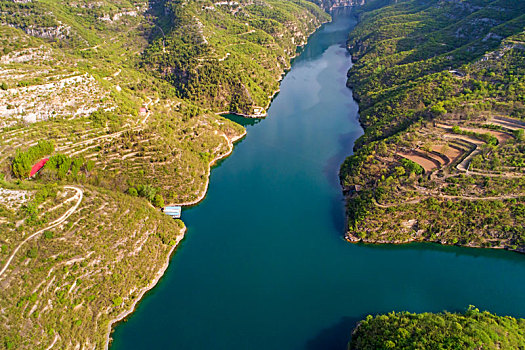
[[329, 5]]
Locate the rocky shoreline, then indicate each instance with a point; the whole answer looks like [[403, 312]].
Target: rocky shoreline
[[263, 113], [153, 283], [349, 237], [164, 267], [231, 143]]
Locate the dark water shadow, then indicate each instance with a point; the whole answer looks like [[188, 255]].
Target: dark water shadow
[[335, 337], [442, 248], [333, 164], [244, 121], [337, 213]]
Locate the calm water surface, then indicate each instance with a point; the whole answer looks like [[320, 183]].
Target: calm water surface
[[264, 265]]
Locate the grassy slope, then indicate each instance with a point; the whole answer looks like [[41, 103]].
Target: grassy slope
[[66, 284], [72, 280], [434, 80], [411, 102]]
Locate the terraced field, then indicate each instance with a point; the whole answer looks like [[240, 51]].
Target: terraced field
[[54, 289]]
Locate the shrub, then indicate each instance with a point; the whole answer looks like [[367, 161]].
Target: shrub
[[32, 253], [117, 301], [411, 166], [24, 160], [158, 201]]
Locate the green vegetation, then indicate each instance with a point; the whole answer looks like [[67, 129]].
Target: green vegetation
[[149, 192], [441, 89], [73, 279], [470, 330], [24, 160], [488, 138], [228, 56], [128, 93]]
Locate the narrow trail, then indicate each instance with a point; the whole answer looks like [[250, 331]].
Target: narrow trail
[[88, 141], [148, 113], [506, 175], [67, 148], [67, 214], [53, 343]]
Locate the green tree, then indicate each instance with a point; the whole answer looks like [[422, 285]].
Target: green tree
[[158, 201], [438, 109], [24, 160]]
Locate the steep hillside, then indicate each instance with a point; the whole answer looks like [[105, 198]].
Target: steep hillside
[[68, 280], [121, 97], [229, 56], [441, 91]]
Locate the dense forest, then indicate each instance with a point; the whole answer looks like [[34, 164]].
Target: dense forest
[[470, 330]]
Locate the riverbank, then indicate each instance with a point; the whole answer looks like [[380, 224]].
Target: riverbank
[[153, 283], [420, 154], [349, 237], [263, 110], [231, 144]]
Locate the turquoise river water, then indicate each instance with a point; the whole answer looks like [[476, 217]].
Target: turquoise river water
[[264, 264]]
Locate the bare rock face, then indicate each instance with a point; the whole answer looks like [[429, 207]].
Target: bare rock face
[[329, 5], [58, 32], [345, 3], [72, 96]]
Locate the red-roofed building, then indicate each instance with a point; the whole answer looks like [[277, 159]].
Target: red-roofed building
[[36, 168]]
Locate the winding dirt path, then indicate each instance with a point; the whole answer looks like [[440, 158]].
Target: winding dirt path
[[148, 113], [53, 343], [70, 147], [79, 195]]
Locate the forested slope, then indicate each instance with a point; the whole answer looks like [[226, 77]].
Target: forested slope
[[441, 89], [229, 56], [470, 330]]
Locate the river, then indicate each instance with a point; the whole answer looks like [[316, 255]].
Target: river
[[264, 264]]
